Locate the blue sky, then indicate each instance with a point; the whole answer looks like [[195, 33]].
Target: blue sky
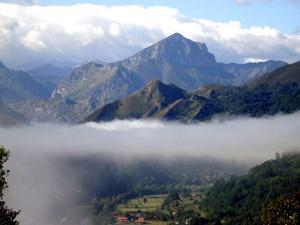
[[283, 15]]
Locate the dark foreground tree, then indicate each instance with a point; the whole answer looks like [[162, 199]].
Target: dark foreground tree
[[284, 210], [7, 216]]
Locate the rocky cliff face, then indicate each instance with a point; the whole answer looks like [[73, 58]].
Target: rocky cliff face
[[175, 59], [271, 94]]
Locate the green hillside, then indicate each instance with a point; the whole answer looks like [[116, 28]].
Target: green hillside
[[283, 75], [278, 92], [257, 198]]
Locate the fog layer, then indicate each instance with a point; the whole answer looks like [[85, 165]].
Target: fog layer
[[38, 180], [242, 138]]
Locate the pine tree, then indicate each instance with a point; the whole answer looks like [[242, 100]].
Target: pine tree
[[7, 216]]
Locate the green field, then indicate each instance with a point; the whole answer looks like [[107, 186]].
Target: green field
[[188, 203], [152, 203]]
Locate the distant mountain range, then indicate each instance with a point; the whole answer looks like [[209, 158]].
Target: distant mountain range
[[277, 92], [49, 75], [18, 86], [173, 60], [284, 75]]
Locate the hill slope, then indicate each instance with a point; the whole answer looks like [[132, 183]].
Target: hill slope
[[175, 59], [208, 101], [8, 117], [284, 75], [267, 195], [141, 104], [18, 86], [49, 76], [243, 73]]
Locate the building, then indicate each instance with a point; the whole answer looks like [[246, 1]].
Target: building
[[139, 218], [121, 219]]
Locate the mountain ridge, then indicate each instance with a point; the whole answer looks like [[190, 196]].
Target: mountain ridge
[[283, 75], [18, 86], [142, 103], [8, 117], [175, 59], [207, 102], [49, 75]]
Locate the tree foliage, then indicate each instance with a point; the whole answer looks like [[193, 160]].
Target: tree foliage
[[172, 196], [7, 216], [256, 197], [284, 210]]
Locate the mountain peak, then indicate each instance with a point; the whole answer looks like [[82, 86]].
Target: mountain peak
[[91, 64], [176, 36], [158, 89], [154, 84], [157, 85], [142, 103], [179, 50], [180, 39]]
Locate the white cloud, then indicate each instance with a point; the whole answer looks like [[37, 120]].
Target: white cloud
[[254, 60], [22, 2], [33, 41], [87, 32], [244, 2], [247, 2], [216, 139]]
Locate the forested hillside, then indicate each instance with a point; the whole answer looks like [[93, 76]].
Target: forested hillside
[[269, 195]]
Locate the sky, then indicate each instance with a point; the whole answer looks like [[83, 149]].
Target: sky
[[80, 30], [283, 14]]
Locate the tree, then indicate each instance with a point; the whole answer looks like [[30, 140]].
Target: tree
[[172, 196], [284, 210], [252, 199], [145, 200], [7, 216]]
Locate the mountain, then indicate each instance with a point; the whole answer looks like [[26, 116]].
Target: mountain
[[19, 86], [49, 75], [175, 59], [158, 101], [172, 60], [143, 103], [208, 101], [8, 117], [284, 75], [43, 111], [31, 65], [243, 73]]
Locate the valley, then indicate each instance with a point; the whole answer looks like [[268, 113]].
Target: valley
[[149, 112]]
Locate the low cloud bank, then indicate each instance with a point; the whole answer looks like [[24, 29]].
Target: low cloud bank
[[38, 181], [239, 139]]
